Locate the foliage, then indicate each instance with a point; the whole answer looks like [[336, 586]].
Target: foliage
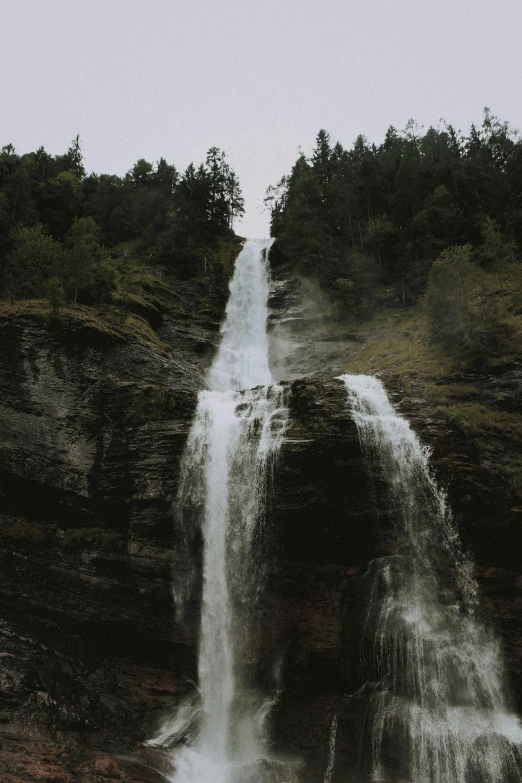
[[20, 532], [401, 203], [469, 315], [60, 228], [474, 419], [93, 538], [512, 475], [55, 294], [154, 403], [442, 393], [34, 257]]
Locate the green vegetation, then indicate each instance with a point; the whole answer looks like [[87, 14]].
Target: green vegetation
[[512, 475], [476, 420], [395, 340], [23, 533], [434, 216], [155, 403], [75, 238], [92, 537], [444, 393], [474, 312]]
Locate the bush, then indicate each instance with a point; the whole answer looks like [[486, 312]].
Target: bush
[[34, 258], [93, 537], [466, 315], [55, 294]]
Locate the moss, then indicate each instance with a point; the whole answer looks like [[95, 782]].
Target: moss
[[445, 392], [137, 327], [114, 322], [97, 538], [512, 476], [156, 403], [475, 420], [225, 256], [395, 340], [23, 533]]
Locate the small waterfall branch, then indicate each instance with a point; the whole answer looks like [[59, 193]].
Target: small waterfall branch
[[439, 713]]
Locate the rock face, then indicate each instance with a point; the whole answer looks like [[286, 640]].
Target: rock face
[[92, 428], [329, 526]]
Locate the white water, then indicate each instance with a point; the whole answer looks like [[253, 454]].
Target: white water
[[439, 713], [236, 434], [331, 751]]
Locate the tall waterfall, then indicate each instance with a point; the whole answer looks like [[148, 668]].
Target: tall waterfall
[[439, 712], [237, 431]]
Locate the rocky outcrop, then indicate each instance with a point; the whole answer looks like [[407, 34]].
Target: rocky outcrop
[[330, 525], [93, 421]]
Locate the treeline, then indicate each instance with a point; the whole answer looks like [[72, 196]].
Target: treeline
[[61, 228], [371, 218]]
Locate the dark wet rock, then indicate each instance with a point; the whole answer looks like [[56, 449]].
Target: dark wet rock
[[92, 427]]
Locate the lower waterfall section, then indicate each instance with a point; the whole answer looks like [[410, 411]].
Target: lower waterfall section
[[219, 735], [230, 454], [438, 713]]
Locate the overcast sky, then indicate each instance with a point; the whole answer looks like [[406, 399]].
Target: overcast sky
[[258, 79]]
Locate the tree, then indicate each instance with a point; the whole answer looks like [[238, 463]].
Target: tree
[[33, 259], [225, 199], [165, 176], [87, 271], [235, 201], [497, 250], [322, 161], [61, 202], [141, 174], [464, 313], [74, 158], [403, 202], [55, 294]]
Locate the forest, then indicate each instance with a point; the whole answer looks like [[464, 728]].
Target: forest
[[426, 218], [68, 236], [432, 218]]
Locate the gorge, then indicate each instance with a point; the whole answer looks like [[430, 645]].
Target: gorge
[[298, 661]]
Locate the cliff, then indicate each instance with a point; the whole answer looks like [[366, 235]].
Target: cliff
[[93, 419], [94, 414]]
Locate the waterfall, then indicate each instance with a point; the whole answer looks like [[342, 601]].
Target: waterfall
[[237, 430], [331, 751], [439, 713]]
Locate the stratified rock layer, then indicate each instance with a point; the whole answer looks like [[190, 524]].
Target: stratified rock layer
[[92, 428]]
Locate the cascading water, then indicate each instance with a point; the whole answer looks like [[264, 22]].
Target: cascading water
[[236, 434], [439, 712], [331, 751]]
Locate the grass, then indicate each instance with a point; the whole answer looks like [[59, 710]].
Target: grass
[[93, 537], [156, 403], [112, 321], [394, 340], [444, 393], [475, 420], [24, 533], [512, 475]]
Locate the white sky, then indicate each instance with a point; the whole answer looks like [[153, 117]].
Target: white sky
[[258, 79]]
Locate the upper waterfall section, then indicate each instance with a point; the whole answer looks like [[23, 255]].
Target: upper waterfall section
[[242, 359]]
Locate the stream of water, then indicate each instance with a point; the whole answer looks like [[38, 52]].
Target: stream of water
[[439, 713], [234, 440]]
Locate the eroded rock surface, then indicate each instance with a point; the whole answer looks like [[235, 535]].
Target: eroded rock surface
[[92, 427]]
